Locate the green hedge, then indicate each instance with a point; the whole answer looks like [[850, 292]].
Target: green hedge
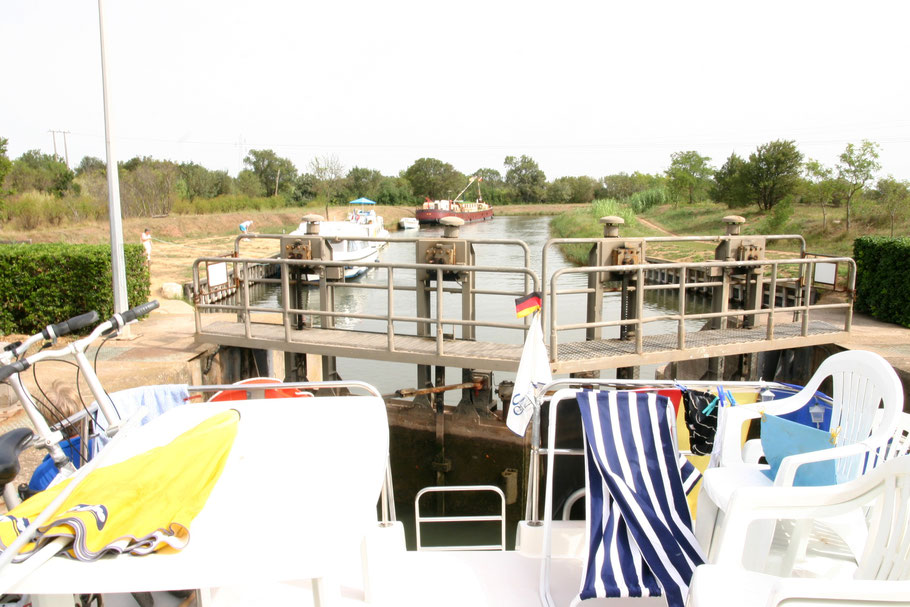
[[882, 281], [42, 284]]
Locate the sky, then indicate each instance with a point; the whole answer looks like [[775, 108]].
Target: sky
[[582, 87]]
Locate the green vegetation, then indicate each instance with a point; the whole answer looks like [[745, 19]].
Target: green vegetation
[[42, 283], [585, 223], [775, 188], [882, 288]]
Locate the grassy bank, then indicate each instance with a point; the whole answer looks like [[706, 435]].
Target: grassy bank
[[824, 235]]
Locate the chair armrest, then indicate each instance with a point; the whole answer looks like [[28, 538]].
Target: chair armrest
[[750, 504], [789, 465], [731, 430]]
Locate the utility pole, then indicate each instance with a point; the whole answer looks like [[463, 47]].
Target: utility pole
[[66, 153], [54, 137], [276, 181]]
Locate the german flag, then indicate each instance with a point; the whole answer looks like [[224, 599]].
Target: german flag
[[527, 305]]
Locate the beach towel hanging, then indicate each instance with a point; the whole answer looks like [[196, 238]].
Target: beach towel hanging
[[139, 505], [639, 526]]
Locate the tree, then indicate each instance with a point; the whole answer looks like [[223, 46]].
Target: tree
[[772, 172], [304, 188], [247, 183], [493, 187], [362, 182], [91, 164], [894, 196], [623, 185], [689, 174], [149, 187], [491, 177], [395, 190], [277, 175], [856, 167], [196, 181], [43, 172], [435, 179], [559, 191], [577, 190], [525, 178], [5, 165], [729, 186], [329, 174], [820, 187]]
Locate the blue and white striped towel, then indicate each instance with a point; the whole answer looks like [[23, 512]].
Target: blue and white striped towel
[[639, 526]]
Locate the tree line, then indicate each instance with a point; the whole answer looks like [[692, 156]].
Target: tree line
[[777, 175], [774, 176]]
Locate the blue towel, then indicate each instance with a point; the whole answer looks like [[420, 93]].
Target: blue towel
[[781, 437], [639, 526], [156, 399]]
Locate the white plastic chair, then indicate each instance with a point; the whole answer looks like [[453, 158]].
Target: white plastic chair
[[867, 402], [880, 575]]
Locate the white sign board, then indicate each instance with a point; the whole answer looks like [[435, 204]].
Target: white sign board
[[826, 273], [217, 273]]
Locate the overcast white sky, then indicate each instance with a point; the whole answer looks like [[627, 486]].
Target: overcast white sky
[[584, 88]]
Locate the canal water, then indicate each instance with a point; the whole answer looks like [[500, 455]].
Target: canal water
[[535, 231]]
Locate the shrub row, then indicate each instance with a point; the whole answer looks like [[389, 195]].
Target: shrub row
[[228, 203], [42, 284], [882, 283]]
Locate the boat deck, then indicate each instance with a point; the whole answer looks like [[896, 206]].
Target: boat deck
[[571, 356]]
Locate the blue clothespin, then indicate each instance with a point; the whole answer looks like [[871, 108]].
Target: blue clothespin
[[707, 410]]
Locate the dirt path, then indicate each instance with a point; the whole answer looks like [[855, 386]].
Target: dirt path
[[653, 226]]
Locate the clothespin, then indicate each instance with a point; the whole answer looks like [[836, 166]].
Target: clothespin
[[834, 435], [707, 410]]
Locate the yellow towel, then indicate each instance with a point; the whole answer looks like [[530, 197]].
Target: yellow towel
[[141, 505]]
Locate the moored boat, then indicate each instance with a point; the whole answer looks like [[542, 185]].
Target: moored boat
[[434, 210], [409, 223], [344, 239]]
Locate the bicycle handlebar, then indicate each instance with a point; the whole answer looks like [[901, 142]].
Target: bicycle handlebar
[[137, 311], [17, 367], [69, 326]]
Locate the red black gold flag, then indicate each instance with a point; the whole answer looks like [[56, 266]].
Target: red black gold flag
[[527, 305]]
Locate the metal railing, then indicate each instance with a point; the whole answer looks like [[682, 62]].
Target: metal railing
[[672, 282], [501, 517], [724, 279], [327, 315]]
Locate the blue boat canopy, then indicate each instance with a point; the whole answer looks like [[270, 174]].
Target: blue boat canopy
[[362, 200]]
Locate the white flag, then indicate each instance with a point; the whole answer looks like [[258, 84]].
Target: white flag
[[533, 373]]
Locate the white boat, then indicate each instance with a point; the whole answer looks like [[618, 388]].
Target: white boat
[[293, 520], [409, 223], [344, 238]]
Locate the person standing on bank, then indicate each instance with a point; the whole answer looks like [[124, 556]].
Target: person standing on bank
[[146, 240]]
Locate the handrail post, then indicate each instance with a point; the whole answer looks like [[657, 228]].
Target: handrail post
[[391, 306], [439, 327], [245, 298]]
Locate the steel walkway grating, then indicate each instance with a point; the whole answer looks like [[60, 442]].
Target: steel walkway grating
[[571, 357]]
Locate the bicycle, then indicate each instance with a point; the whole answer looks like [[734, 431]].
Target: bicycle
[[50, 438]]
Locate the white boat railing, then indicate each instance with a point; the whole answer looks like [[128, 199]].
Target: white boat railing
[[532, 507], [501, 517]]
